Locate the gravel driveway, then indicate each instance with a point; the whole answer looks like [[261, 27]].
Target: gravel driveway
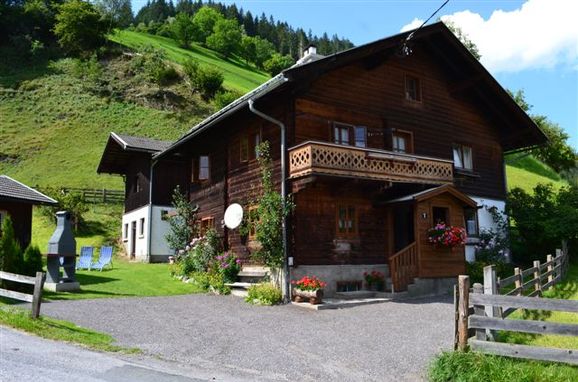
[[393, 341]]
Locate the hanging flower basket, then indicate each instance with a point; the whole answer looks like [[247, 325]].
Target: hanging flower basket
[[446, 236]]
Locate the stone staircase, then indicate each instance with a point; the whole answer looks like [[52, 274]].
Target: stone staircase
[[246, 278]]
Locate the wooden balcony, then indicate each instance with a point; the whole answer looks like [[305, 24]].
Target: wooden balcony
[[320, 158]]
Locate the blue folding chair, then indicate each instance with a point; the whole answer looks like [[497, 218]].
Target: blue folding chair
[[85, 258], [104, 259]]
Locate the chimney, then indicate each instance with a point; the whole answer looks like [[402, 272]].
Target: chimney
[[310, 50]]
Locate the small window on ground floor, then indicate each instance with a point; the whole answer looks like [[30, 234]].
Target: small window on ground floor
[[141, 227], [207, 224], [125, 233], [346, 220], [471, 221], [349, 286], [440, 215]]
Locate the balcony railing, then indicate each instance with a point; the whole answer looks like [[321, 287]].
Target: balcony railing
[[322, 158]]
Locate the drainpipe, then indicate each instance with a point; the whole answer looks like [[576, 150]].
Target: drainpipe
[[287, 285], [150, 223]]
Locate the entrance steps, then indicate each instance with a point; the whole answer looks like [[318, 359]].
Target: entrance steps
[[247, 278]]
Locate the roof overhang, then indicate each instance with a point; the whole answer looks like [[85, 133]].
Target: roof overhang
[[430, 193], [117, 155]]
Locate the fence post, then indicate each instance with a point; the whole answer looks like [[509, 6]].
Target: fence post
[[463, 307], [550, 261], [479, 311], [518, 281], [537, 278], [560, 260], [456, 316], [491, 287], [37, 294]]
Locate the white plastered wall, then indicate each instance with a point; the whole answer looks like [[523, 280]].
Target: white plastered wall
[[140, 238], [159, 228], [485, 220]]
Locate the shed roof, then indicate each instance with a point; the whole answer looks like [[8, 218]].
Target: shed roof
[[13, 190], [431, 192], [120, 148], [518, 130]]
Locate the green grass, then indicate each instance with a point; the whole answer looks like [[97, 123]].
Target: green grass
[[526, 172], [59, 330], [238, 75], [477, 367], [54, 131], [567, 290]]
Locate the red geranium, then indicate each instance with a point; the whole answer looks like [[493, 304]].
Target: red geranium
[[309, 283], [446, 235]]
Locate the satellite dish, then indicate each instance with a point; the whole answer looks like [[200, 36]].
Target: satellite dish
[[233, 216]]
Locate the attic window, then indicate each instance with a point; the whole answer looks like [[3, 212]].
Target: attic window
[[412, 89]]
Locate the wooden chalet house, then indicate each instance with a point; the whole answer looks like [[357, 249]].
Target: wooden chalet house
[[380, 146]]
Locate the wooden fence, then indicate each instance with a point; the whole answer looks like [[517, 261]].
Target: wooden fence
[[35, 298], [93, 195], [483, 310]]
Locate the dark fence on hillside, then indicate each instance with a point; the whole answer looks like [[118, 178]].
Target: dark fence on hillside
[[91, 195]]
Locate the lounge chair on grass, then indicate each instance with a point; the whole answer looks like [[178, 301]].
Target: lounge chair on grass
[[104, 259], [85, 258]]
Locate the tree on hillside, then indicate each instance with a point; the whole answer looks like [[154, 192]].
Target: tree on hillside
[[557, 153], [277, 63], [205, 20], [248, 48], [226, 37], [183, 29], [263, 51], [79, 27], [118, 13]]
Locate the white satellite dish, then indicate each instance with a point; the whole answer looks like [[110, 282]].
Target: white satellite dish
[[233, 216]]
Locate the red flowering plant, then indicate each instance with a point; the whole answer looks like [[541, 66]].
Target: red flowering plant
[[373, 277], [309, 283], [446, 235]]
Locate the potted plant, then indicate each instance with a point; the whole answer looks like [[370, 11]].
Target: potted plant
[[310, 288], [446, 235], [375, 280]]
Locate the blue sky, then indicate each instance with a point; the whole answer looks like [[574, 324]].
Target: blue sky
[[530, 45]]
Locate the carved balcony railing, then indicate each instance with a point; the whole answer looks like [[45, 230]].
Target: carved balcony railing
[[311, 158]]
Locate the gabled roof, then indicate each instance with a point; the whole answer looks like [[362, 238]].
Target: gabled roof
[[429, 193], [13, 190], [120, 148], [438, 40]]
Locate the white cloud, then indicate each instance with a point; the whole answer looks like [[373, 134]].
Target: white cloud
[[540, 34], [414, 24]]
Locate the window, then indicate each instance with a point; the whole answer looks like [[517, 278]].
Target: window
[[204, 167], [141, 226], [206, 224], [256, 142], [346, 221], [136, 184], [402, 141], [412, 89], [244, 154], [344, 134], [348, 286], [126, 230], [463, 157], [253, 218], [440, 215], [471, 220]]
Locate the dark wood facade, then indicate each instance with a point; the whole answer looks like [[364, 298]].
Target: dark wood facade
[[21, 215], [363, 127]]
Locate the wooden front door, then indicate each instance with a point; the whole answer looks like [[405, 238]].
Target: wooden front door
[[403, 228]]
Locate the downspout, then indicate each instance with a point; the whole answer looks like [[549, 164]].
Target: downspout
[[150, 224], [286, 284]]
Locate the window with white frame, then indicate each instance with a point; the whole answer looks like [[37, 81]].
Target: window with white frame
[[141, 227], [471, 220]]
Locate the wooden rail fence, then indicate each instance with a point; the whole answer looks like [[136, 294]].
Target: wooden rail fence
[[93, 195], [482, 310], [35, 298]]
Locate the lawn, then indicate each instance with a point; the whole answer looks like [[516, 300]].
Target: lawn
[[238, 75], [59, 330], [526, 172]]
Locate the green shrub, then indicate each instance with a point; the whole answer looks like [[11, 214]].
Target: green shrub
[[223, 98], [204, 79], [264, 294], [152, 64], [32, 261], [210, 281], [73, 202], [90, 69], [10, 251]]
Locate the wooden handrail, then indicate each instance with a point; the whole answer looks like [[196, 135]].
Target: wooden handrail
[[403, 267]]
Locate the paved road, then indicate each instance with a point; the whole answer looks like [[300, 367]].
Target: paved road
[[384, 342], [28, 358]]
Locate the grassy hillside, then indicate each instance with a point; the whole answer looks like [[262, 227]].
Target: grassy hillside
[[238, 75], [525, 171], [54, 128]]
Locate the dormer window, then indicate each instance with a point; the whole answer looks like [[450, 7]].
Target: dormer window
[[412, 89]]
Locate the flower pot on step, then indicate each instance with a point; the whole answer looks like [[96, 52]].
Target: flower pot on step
[[314, 296]]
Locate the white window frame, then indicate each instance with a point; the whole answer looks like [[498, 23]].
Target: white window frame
[[461, 161]]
